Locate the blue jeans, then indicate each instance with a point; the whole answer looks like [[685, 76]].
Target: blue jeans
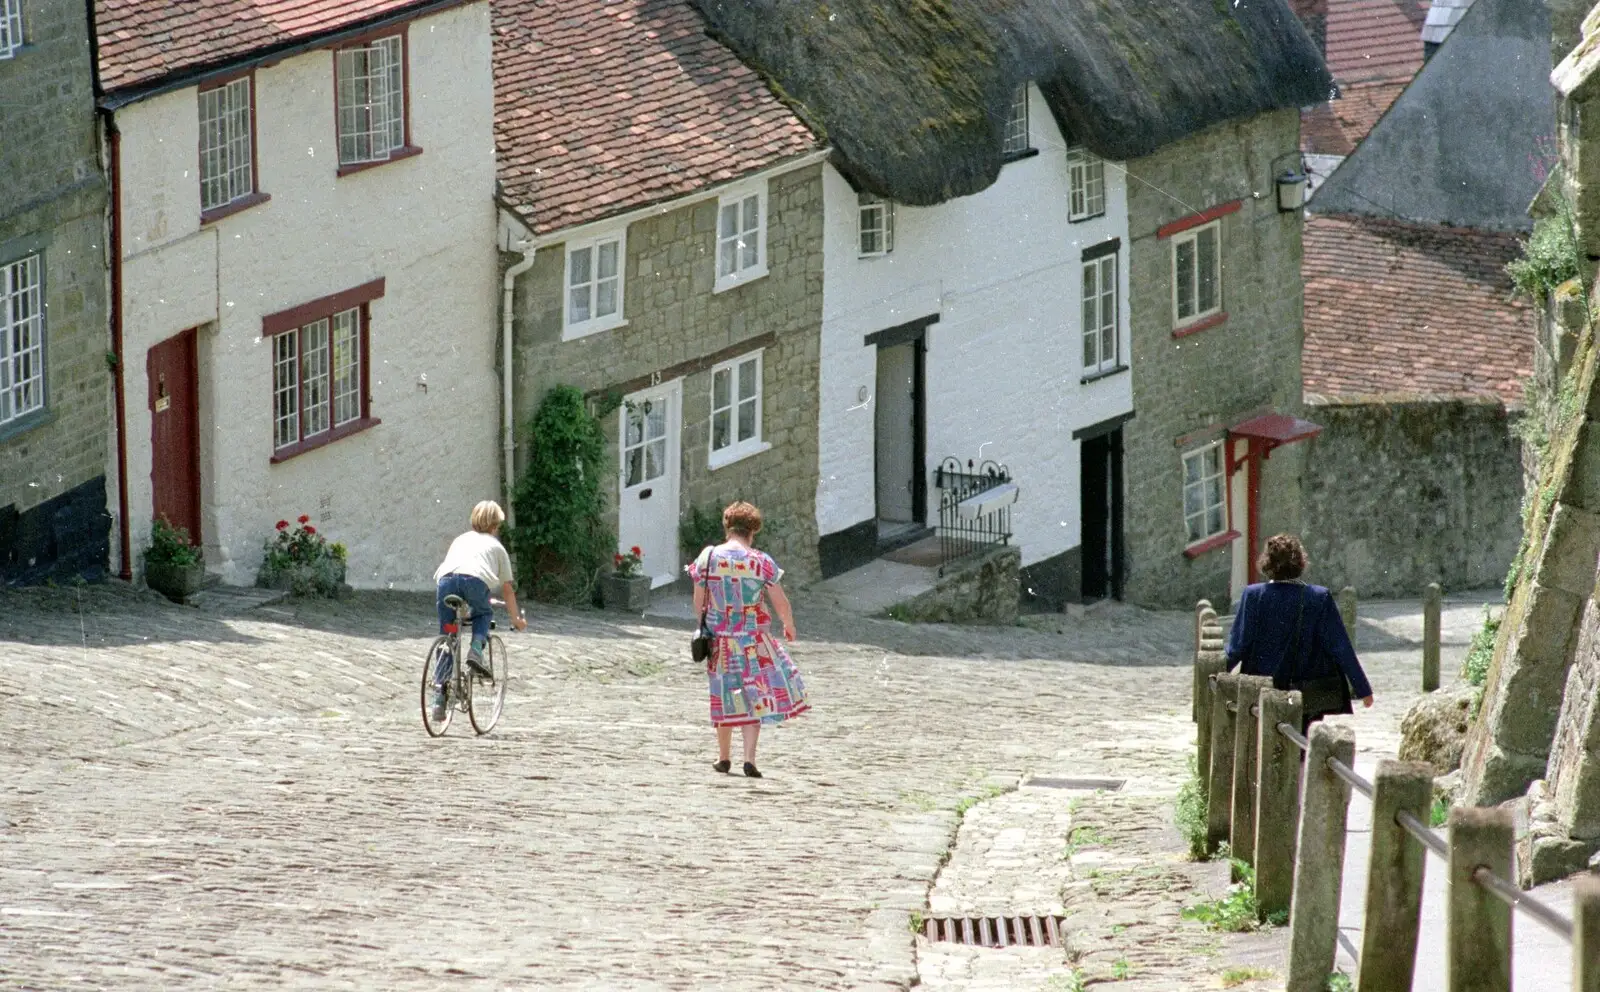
[[477, 596]]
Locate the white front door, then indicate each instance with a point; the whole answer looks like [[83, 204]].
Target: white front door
[[648, 515], [1239, 515]]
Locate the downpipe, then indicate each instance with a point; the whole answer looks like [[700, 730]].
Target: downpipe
[[508, 445], [114, 146]]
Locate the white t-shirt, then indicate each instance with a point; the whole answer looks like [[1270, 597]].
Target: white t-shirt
[[478, 555]]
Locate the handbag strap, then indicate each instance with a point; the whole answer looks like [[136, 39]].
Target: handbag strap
[[710, 554]]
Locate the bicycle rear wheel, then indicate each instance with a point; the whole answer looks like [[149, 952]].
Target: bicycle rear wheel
[[435, 670], [487, 696]]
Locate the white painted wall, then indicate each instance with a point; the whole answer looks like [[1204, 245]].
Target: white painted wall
[[397, 493], [1005, 361]]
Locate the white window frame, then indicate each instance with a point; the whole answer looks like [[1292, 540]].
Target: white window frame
[[317, 378], [1192, 237], [1086, 182], [22, 370], [741, 273], [227, 139], [874, 218], [737, 450], [10, 28], [573, 329], [1100, 268], [380, 118], [1016, 138], [1221, 476]]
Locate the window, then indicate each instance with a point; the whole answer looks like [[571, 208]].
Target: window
[[741, 238], [371, 85], [320, 370], [736, 410], [10, 27], [876, 226], [1086, 175], [227, 154], [594, 285], [21, 340], [1016, 132], [1100, 314], [1197, 273], [1205, 512]]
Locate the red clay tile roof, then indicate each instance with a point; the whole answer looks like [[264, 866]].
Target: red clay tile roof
[[1375, 39], [142, 41], [1337, 127], [1396, 309], [602, 106]]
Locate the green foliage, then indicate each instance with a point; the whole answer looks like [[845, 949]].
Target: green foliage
[[1234, 977], [1190, 812], [1440, 814], [301, 560], [1235, 912], [561, 540], [1340, 982], [1073, 981], [1121, 970], [916, 922], [1476, 668], [699, 529], [171, 545], [1549, 258]]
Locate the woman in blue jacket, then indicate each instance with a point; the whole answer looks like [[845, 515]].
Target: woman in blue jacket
[[1292, 632]]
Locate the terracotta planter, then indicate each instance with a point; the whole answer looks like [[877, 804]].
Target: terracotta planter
[[629, 594], [176, 582]]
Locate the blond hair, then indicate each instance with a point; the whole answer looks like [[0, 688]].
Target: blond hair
[[487, 516]]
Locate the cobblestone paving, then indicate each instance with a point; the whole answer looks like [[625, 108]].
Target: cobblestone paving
[[197, 800]]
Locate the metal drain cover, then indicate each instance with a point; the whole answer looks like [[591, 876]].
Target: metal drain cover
[[995, 931], [1086, 784]]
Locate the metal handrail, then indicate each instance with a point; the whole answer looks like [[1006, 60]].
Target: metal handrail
[[1348, 945], [1518, 899], [1431, 840]]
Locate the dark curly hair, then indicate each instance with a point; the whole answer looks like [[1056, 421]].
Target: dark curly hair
[[1284, 558]]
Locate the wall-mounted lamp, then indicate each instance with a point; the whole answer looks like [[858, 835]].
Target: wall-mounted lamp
[[1291, 183]]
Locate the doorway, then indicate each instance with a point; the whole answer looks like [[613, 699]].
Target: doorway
[[899, 432], [647, 517], [1100, 495], [174, 380], [1240, 469]]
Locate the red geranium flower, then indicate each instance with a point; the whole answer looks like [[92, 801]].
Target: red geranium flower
[[283, 525], [310, 529], [304, 519], [636, 552], [618, 559]]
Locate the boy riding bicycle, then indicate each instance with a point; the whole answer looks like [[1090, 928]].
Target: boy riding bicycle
[[475, 562]]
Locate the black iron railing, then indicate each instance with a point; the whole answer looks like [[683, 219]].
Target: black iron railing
[[969, 525]]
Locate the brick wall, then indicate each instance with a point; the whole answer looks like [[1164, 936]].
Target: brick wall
[[1193, 387], [674, 318], [52, 202]]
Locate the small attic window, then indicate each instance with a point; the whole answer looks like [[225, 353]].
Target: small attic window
[[876, 226], [1016, 132]]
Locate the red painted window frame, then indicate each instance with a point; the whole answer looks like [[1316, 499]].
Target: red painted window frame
[[255, 195], [291, 321], [408, 149]]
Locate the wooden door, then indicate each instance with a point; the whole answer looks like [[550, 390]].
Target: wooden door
[[175, 432], [896, 427]]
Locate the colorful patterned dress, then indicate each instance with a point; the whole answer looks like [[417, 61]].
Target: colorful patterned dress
[[752, 677]]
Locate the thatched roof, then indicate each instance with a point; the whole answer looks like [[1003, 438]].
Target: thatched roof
[[912, 93]]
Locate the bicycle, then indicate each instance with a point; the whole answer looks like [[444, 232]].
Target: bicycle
[[481, 698]]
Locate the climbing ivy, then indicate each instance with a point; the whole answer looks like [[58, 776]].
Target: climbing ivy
[[1549, 257], [561, 539]]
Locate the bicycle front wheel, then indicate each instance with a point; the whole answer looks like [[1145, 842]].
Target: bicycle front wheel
[[487, 696], [436, 682]]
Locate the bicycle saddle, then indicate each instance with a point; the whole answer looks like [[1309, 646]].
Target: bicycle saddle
[[455, 602]]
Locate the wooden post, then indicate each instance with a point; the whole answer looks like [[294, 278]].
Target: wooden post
[[1319, 873], [1347, 612], [1205, 620], [1586, 934], [1219, 797], [1243, 820], [1278, 803], [1432, 604], [1210, 662], [1478, 955], [1394, 881]]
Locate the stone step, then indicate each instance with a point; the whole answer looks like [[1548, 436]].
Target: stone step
[[218, 598]]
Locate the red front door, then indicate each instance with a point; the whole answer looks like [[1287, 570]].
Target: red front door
[[175, 432]]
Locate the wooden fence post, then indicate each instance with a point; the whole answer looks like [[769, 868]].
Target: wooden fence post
[[1586, 934], [1478, 958], [1278, 803], [1432, 605], [1394, 878], [1242, 837], [1319, 877], [1219, 797], [1347, 611], [1206, 632]]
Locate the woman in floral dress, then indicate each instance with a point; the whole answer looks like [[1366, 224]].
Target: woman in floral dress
[[753, 681]]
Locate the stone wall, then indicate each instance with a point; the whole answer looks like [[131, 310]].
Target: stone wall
[[984, 590], [1188, 389], [676, 325], [1399, 495], [52, 203]]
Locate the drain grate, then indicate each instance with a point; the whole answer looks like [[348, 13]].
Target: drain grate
[[1087, 784], [995, 931]]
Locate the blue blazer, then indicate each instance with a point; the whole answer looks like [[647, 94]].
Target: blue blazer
[[1263, 632]]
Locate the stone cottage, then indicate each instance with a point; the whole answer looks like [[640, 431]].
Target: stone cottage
[[303, 274], [662, 219], [54, 400]]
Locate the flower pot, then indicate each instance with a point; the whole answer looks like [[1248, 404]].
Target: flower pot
[[176, 582], [628, 593]]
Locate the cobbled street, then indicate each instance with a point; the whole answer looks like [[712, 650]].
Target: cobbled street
[[201, 799]]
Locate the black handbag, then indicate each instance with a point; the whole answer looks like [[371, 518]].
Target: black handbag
[[1319, 696], [700, 643]]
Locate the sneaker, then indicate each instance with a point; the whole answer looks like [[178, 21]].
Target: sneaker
[[438, 704], [475, 659]]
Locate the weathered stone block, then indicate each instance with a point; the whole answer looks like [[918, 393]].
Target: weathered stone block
[[1435, 729], [985, 590], [1582, 487]]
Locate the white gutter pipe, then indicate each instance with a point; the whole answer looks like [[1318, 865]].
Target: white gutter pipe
[[508, 444]]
